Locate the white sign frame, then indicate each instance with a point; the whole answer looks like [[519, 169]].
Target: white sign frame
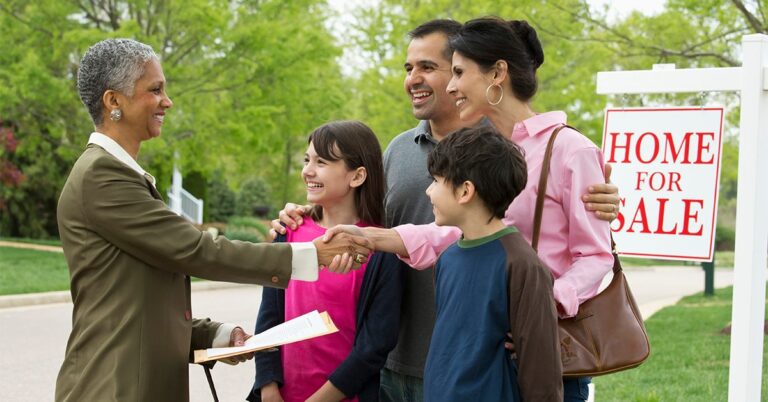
[[751, 81]]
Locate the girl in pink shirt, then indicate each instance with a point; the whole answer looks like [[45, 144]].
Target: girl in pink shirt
[[344, 178]]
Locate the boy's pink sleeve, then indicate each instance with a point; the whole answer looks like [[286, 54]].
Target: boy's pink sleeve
[[425, 242]]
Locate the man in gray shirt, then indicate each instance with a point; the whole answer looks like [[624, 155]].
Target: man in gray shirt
[[428, 71]]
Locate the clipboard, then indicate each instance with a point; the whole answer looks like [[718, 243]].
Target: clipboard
[[307, 326]]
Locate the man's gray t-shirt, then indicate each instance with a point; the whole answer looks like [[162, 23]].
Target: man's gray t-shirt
[[405, 167]]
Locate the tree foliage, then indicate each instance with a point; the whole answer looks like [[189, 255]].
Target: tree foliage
[[247, 80], [690, 34], [251, 78], [566, 80]]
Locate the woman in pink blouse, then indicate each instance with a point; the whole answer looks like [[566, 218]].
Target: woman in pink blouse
[[494, 75]]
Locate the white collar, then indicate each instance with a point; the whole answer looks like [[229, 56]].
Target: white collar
[[118, 152]]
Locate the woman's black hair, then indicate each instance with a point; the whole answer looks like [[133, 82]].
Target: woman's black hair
[[490, 39]]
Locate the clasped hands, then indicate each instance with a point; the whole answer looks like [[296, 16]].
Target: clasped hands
[[343, 248]]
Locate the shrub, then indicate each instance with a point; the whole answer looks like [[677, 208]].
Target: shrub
[[220, 205], [246, 228], [253, 194], [725, 238], [244, 235]]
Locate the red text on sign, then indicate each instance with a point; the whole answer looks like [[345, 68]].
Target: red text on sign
[[689, 226], [659, 181], [650, 147]]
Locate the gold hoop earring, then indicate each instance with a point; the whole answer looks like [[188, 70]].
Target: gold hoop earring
[[488, 99]]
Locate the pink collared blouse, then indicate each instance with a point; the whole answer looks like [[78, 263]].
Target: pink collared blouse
[[574, 243]]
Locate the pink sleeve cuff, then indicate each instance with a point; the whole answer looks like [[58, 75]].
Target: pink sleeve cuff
[[424, 243], [567, 298], [418, 253]]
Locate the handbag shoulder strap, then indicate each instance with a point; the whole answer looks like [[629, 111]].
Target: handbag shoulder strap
[[539, 210], [543, 187]]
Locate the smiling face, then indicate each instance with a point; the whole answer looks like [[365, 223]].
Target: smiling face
[[144, 112], [328, 182], [468, 86], [427, 72], [444, 201]]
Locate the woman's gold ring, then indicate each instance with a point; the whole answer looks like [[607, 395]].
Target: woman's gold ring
[[359, 258]]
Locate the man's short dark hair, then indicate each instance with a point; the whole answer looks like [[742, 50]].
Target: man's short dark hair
[[446, 27], [494, 164]]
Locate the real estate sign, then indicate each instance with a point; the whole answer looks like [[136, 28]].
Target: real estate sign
[[666, 162]]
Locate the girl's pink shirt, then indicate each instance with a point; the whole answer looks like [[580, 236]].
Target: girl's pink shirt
[[574, 243], [307, 364]]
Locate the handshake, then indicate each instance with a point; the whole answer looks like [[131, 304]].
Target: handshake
[[342, 248]]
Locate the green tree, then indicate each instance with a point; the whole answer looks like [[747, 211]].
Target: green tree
[[690, 34], [36, 93], [248, 84], [566, 80]]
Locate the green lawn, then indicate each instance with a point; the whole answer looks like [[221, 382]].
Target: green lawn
[[27, 271], [689, 356], [30, 271]]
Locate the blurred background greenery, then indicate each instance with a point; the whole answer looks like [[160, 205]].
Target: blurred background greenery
[[250, 79]]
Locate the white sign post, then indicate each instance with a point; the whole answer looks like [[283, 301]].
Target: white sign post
[[667, 163], [751, 81]]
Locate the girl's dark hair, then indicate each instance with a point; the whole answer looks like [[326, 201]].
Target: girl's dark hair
[[490, 39], [357, 145]]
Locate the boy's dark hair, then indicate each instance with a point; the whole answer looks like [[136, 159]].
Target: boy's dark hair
[[494, 164], [446, 27], [357, 145], [490, 39]]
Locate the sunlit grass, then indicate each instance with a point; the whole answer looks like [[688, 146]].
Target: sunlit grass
[[28, 271], [689, 356]]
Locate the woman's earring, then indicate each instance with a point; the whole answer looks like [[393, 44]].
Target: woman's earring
[[116, 115], [488, 98]]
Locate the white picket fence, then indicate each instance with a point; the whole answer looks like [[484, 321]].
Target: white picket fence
[[186, 205], [182, 202]]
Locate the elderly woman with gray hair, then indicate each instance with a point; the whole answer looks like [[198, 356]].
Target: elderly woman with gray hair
[[130, 258]]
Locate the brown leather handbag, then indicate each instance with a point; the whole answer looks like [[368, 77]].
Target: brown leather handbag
[[607, 335]]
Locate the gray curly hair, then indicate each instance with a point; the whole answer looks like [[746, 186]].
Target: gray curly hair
[[110, 64]]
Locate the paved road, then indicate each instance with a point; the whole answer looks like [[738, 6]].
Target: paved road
[[31, 246], [33, 339]]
